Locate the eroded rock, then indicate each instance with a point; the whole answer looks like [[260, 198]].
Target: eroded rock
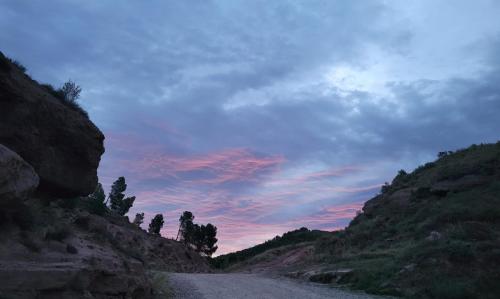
[[63, 146], [17, 178]]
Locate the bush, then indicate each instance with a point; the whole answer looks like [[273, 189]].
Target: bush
[[67, 97]]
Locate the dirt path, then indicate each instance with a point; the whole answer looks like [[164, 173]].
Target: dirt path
[[249, 286]]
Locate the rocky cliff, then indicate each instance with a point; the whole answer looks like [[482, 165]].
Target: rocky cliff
[[61, 144], [51, 245]]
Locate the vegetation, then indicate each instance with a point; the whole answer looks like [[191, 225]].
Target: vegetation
[[96, 202], [7, 63], [70, 91], [116, 203], [156, 225], [432, 233], [120, 204], [201, 238], [292, 237], [68, 94], [185, 220], [139, 219]]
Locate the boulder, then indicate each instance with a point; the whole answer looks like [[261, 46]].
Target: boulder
[[17, 178], [60, 142]]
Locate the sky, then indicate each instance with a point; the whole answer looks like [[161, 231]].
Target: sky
[[265, 116]]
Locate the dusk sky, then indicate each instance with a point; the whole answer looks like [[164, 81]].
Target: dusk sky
[[265, 116]]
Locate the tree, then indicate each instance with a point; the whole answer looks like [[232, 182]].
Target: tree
[[188, 233], [139, 219], [118, 203], [156, 225], [209, 239], [71, 91], [96, 201], [201, 238], [126, 205], [186, 217]]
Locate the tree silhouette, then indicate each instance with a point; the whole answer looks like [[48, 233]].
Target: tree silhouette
[[209, 235], [70, 91], [139, 219], [198, 237], [156, 225], [118, 203], [186, 218]]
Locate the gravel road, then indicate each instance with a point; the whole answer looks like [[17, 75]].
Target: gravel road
[[249, 286]]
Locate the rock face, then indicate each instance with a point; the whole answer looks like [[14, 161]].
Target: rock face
[[63, 146], [17, 178]]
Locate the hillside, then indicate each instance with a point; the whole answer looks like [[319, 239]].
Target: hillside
[[270, 256], [432, 233], [52, 245]]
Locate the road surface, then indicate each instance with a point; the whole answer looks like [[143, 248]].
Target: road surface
[[250, 286]]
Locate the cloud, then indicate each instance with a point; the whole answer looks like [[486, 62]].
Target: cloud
[[230, 165], [266, 116]]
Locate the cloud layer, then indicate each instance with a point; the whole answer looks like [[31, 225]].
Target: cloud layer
[[260, 116]]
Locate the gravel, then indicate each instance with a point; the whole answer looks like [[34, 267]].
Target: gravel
[[249, 286]]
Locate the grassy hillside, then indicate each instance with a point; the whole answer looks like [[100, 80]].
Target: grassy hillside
[[289, 238], [432, 233]]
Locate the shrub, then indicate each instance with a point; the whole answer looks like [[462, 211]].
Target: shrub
[[67, 95], [71, 91]]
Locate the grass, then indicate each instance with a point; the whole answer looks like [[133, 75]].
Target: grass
[[7, 64], [387, 245]]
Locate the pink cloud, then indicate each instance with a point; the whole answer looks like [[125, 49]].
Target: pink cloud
[[237, 164]]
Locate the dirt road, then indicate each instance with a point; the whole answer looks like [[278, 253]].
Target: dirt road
[[249, 286]]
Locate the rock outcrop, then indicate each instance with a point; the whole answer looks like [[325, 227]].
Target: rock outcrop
[[51, 246], [17, 178], [63, 146]]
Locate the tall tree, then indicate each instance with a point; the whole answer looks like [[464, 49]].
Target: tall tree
[[201, 238], [186, 218], [118, 203], [139, 219], [209, 240], [156, 225]]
